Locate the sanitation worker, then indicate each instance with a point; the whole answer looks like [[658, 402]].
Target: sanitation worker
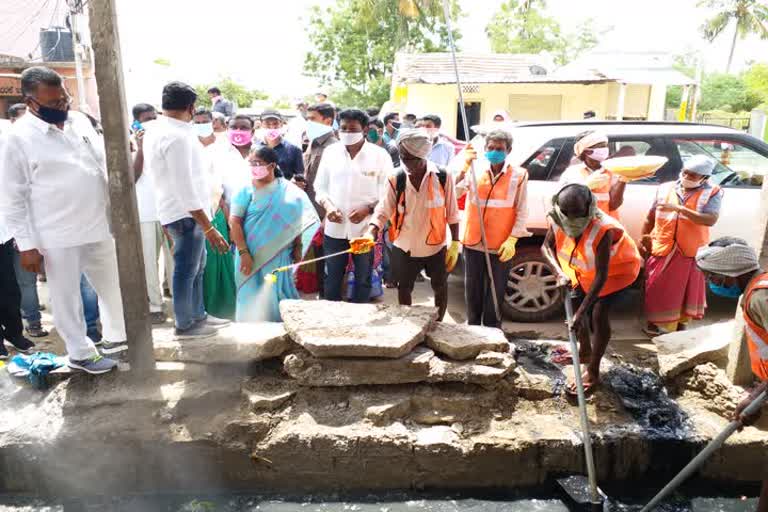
[[420, 203], [592, 149], [676, 227], [598, 258], [732, 269], [503, 198]]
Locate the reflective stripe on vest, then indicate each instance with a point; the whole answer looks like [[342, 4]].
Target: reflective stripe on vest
[[757, 335], [762, 343], [435, 204]]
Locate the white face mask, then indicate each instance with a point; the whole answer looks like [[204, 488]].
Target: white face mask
[[204, 129], [599, 154], [350, 138], [689, 183]]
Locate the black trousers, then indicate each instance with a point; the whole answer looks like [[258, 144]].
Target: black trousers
[[477, 289], [10, 296]]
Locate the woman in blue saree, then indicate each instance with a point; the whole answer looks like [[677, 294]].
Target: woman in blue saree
[[272, 223]]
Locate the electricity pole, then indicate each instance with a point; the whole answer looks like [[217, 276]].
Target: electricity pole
[[75, 9]]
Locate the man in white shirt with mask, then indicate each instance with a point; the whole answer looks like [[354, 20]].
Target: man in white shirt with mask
[[350, 180], [54, 201]]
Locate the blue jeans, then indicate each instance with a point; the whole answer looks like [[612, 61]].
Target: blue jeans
[[335, 271], [90, 309], [386, 256], [30, 303], [189, 266]]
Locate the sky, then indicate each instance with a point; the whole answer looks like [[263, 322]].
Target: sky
[[262, 43]]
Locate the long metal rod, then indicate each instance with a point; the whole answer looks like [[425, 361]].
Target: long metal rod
[[715, 444], [306, 262], [473, 178], [594, 493]]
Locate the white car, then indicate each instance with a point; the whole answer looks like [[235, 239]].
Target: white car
[[546, 150]]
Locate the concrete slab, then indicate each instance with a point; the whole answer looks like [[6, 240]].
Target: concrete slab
[[461, 342], [237, 343], [334, 329], [680, 351]]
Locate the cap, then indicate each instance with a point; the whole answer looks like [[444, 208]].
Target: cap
[[700, 164], [271, 114]]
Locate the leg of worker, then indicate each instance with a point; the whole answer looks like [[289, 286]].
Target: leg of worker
[[500, 275], [64, 270], [10, 296], [151, 252], [90, 310], [334, 267], [403, 272], [363, 273], [100, 267], [583, 336], [601, 335], [30, 302], [438, 277], [474, 285]]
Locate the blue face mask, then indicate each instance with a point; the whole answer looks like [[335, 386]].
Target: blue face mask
[[731, 292], [495, 157]]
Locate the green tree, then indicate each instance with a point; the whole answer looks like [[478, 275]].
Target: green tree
[[355, 43], [523, 27], [750, 17], [231, 90], [722, 91], [756, 79]]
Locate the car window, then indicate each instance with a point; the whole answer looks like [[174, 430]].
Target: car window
[[542, 160], [736, 164]]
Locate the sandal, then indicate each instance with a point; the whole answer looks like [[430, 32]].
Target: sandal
[[588, 389]]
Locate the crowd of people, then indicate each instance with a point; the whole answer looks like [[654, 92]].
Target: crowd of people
[[226, 199]]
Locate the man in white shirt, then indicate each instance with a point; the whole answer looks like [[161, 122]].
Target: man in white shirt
[[54, 201], [174, 157], [442, 150], [349, 183], [151, 232]]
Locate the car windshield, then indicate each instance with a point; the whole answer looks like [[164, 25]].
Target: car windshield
[[736, 163]]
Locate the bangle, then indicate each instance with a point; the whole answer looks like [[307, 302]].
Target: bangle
[[242, 251]]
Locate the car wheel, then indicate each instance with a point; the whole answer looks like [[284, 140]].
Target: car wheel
[[531, 294]]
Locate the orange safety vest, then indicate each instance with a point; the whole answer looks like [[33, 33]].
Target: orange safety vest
[[757, 335], [577, 257], [602, 194], [672, 228], [499, 204], [437, 215]]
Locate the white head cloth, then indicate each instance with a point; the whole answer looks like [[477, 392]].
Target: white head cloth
[[700, 164], [416, 142], [733, 260], [589, 140]]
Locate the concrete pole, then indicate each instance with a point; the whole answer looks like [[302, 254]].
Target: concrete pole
[[125, 217], [74, 10], [621, 101]]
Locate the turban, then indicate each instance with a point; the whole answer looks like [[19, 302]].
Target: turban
[[417, 142], [700, 164], [589, 140], [733, 260]]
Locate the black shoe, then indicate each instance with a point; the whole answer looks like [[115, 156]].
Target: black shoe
[[3, 351], [23, 345], [36, 331], [158, 318]]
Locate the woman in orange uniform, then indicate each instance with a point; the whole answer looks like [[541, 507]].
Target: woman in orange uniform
[[597, 257], [732, 269], [677, 226]]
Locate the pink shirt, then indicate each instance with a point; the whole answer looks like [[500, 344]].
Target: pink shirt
[[415, 227]]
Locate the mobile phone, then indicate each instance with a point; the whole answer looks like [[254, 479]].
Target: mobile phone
[[136, 126]]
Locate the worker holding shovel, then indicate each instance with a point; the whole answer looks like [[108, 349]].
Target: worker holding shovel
[[732, 269], [599, 259]]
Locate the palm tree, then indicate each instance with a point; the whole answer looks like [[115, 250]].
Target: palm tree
[[751, 17]]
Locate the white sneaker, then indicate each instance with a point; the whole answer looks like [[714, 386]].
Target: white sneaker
[[216, 323]]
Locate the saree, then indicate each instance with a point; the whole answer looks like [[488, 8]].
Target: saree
[[273, 217], [219, 276], [675, 291]]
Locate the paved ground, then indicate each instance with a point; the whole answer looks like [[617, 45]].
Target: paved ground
[[628, 338]]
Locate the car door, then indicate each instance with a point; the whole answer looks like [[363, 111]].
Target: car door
[[740, 169]]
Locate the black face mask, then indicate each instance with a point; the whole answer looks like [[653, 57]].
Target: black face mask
[[51, 115]]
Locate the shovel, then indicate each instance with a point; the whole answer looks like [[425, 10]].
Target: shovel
[[584, 493], [713, 445]]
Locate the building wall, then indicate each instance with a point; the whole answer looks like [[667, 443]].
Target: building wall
[[573, 100]]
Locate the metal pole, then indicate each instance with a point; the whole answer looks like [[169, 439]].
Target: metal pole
[[74, 11], [716, 443], [473, 178], [594, 494], [125, 217]]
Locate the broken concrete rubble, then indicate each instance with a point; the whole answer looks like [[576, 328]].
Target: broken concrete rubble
[[332, 329], [462, 342], [680, 351]]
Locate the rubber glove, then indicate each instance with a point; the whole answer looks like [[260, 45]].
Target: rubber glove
[[507, 249], [452, 256], [470, 155], [361, 245], [597, 180]]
